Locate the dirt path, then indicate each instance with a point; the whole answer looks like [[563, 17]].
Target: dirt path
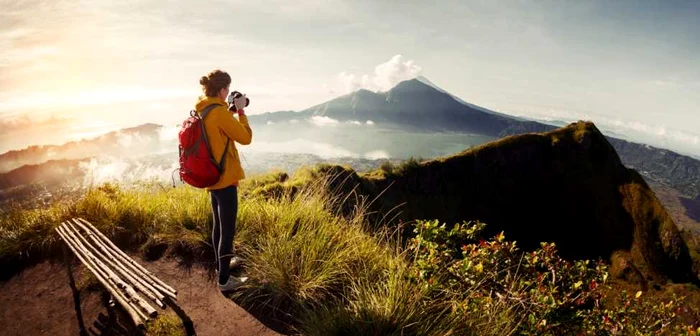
[[39, 302]]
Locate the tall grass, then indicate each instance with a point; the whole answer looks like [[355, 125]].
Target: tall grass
[[322, 272], [302, 255], [133, 217]]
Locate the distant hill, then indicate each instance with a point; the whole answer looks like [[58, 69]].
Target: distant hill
[[418, 104], [567, 186], [664, 166], [147, 135]]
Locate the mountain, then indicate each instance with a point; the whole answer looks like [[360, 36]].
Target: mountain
[[566, 186], [413, 105], [419, 104], [112, 143], [426, 81], [661, 165]]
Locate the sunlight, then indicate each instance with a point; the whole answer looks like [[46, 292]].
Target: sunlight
[[78, 98]]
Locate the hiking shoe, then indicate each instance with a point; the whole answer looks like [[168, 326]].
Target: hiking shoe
[[232, 283], [235, 262]]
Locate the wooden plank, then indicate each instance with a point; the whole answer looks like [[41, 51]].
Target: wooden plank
[[133, 313], [90, 252], [127, 260], [106, 257]]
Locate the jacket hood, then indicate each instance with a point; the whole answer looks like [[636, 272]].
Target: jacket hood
[[204, 101]]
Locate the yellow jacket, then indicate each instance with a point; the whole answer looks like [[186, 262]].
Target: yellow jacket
[[220, 125]]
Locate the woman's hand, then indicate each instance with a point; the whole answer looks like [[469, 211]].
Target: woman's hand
[[240, 102]]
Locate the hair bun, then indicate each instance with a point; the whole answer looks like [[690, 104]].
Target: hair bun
[[204, 80]]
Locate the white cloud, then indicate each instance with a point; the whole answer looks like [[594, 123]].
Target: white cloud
[[354, 122], [323, 150], [394, 71], [370, 122], [349, 81], [323, 121], [125, 140], [270, 122], [385, 77], [633, 130], [377, 154], [168, 133], [113, 169]]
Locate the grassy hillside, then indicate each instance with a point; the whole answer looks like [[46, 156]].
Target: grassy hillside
[[325, 256], [567, 186], [331, 274]]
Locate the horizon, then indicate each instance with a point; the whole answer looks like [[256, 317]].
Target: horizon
[[541, 61]]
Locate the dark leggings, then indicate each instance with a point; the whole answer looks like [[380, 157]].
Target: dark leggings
[[224, 204]]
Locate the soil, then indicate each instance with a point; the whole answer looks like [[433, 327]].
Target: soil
[[39, 301]]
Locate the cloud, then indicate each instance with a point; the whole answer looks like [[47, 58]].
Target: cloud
[[168, 133], [370, 122], [125, 140], [633, 130], [323, 121], [385, 77], [354, 122], [377, 154], [394, 71], [349, 81], [113, 169], [297, 146]]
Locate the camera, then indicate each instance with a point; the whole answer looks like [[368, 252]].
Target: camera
[[233, 95]]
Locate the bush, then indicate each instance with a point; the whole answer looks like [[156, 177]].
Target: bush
[[501, 289]]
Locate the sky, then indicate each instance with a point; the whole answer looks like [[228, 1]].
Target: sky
[[96, 65]]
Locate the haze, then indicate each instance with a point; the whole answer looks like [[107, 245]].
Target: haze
[[73, 69]]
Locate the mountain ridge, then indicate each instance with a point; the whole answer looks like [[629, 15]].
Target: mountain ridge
[[567, 186]]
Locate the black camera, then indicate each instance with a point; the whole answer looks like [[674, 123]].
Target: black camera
[[233, 95]]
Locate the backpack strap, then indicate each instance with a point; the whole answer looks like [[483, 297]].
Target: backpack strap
[[203, 114], [223, 156]]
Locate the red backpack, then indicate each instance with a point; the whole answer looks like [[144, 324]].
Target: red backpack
[[198, 167]]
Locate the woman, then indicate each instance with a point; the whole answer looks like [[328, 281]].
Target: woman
[[220, 125]]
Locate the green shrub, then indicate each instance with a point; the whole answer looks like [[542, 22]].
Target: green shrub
[[165, 325], [499, 288]]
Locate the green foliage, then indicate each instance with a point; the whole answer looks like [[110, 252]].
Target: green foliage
[[405, 167], [165, 325], [387, 167], [538, 291]]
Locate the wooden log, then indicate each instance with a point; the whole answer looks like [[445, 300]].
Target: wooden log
[[115, 293], [141, 285], [117, 257], [97, 270], [129, 263], [130, 293], [128, 259], [74, 290]]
